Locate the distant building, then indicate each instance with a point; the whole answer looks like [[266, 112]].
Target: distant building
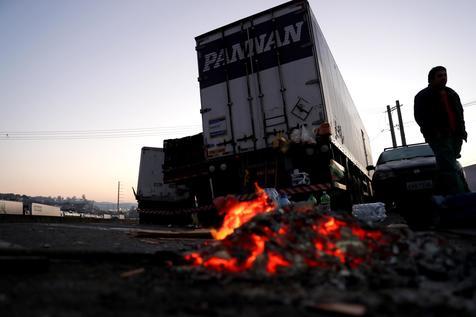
[[470, 172]]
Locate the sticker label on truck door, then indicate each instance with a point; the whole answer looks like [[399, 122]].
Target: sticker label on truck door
[[301, 109], [217, 127]]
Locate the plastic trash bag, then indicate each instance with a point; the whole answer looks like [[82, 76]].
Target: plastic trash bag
[[372, 212], [306, 136], [295, 136], [273, 194]]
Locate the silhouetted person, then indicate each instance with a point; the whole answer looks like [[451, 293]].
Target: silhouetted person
[[439, 113]]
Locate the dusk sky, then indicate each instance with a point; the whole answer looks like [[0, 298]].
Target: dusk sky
[[85, 84]]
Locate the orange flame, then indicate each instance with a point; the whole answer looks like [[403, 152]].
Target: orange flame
[[274, 261], [257, 248], [238, 213], [327, 241]]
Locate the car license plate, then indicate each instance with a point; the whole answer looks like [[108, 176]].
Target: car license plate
[[419, 185]]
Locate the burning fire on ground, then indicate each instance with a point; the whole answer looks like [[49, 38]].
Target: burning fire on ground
[[237, 213], [255, 235]]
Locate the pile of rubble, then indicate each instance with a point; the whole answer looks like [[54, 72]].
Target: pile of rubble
[[338, 257], [297, 240]]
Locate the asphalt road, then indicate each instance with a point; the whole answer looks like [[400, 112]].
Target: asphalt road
[[111, 269], [96, 237]]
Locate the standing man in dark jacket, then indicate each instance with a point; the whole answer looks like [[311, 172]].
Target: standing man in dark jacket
[[439, 113]]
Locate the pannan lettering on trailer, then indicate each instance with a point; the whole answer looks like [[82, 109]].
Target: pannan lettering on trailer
[[244, 49], [257, 45]]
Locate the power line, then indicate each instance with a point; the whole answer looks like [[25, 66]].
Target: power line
[[95, 134], [82, 138], [166, 128], [470, 103]]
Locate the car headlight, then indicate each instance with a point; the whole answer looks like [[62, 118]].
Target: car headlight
[[384, 175]]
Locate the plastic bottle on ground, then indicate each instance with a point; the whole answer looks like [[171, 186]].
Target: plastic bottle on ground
[[325, 202], [312, 199], [284, 201]]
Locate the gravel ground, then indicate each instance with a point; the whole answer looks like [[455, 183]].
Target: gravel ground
[[110, 270]]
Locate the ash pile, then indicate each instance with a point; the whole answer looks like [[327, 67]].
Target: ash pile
[[312, 258]]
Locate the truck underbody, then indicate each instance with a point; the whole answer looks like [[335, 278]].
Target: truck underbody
[[328, 169]]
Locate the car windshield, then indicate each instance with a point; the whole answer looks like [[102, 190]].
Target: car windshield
[[404, 153]]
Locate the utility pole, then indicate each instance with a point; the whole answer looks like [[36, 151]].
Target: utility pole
[[400, 123], [118, 195], [392, 130]]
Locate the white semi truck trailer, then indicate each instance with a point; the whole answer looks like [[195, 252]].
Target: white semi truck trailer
[[11, 207], [275, 110]]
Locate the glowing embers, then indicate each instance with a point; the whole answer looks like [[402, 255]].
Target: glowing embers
[[275, 242], [236, 213]]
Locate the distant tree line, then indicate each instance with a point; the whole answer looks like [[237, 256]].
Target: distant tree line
[[73, 203]]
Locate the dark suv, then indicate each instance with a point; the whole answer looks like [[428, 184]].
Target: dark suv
[[405, 173]]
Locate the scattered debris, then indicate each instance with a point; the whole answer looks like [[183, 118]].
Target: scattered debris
[[132, 273], [341, 308]]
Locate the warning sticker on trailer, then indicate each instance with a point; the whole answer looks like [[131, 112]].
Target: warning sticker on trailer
[[301, 109], [217, 127]]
